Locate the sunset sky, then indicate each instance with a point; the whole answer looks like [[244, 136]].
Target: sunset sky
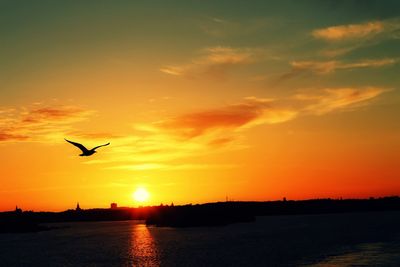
[[201, 100]]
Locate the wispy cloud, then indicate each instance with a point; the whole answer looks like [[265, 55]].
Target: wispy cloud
[[192, 134], [222, 27], [94, 135], [7, 136], [331, 66], [252, 111], [339, 51], [221, 129], [329, 100], [171, 167], [350, 31], [343, 39], [324, 67], [40, 123], [216, 27], [162, 145], [173, 70], [215, 62]]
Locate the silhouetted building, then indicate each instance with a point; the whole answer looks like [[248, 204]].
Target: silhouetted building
[[113, 206], [78, 208], [17, 210]]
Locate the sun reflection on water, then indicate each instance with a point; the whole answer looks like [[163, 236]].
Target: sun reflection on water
[[143, 250]]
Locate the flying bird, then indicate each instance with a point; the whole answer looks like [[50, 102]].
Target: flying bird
[[85, 152]]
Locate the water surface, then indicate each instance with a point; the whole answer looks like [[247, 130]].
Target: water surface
[[356, 239]]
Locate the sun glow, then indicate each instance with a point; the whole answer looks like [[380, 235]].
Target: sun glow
[[141, 195]]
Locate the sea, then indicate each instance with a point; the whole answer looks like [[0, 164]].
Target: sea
[[348, 239]]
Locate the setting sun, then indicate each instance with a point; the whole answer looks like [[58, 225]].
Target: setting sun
[[141, 195]]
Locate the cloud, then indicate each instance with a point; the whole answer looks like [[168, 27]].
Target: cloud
[[48, 115], [339, 99], [192, 134], [94, 135], [216, 27], [173, 70], [339, 51], [257, 111], [215, 62], [162, 151], [252, 111], [221, 27], [227, 55], [221, 141], [324, 67], [327, 67], [343, 39], [39, 123], [5, 136], [162, 145], [171, 167], [350, 31]]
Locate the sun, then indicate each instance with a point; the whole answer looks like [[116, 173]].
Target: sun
[[141, 195]]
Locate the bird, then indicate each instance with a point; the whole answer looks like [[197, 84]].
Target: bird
[[85, 152]]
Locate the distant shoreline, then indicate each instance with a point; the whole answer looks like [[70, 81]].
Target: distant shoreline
[[208, 214]]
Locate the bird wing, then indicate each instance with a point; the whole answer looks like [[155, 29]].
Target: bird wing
[[100, 146], [80, 146]]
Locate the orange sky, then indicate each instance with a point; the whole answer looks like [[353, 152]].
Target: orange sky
[[200, 102]]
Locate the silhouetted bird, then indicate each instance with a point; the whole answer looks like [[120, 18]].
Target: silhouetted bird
[[85, 151]]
